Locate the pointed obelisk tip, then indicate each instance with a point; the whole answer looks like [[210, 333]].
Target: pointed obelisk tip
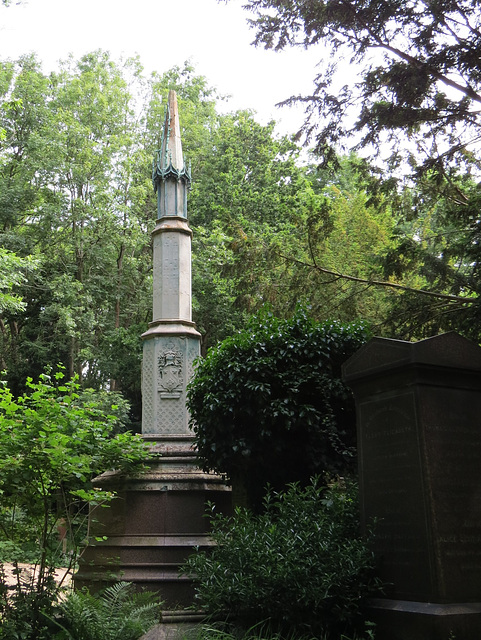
[[172, 100], [172, 133], [169, 165]]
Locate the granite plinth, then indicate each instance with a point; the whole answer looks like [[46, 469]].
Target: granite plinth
[[153, 525], [419, 446]]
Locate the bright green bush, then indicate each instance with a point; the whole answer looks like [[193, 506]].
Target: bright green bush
[[51, 447], [302, 564], [268, 405]]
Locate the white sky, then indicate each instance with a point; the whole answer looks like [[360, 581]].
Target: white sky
[[215, 36]]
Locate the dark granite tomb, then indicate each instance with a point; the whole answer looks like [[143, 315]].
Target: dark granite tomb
[[419, 443]]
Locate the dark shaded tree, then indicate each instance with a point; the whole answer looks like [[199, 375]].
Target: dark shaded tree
[[268, 405], [416, 71], [436, 248]]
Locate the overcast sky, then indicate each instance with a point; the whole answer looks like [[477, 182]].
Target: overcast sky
[[214, 35]]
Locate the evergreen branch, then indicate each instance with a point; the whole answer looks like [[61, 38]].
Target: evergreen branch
[[381, 283], [403, 55], [466, 89]]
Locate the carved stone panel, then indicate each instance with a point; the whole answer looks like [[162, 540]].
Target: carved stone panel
[[165, 378], [171, 372]]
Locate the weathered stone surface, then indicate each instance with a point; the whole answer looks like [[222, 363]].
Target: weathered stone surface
[[154, 524], [158, 517], [170, 176], [419, 446], [167, 367], [171, 628], [172, 270]]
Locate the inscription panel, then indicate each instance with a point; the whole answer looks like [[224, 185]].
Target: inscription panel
[[420, 455], [392, 492], [452, 433]]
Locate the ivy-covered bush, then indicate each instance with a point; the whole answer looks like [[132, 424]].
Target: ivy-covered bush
[[268, 405], [301, 565]]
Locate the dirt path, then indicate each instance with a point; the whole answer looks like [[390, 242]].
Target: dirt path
[[27, 572]]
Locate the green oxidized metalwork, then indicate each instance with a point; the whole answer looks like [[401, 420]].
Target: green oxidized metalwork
[[163, 169]]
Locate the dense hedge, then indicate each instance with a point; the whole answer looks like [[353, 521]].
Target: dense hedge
[[268, 405]]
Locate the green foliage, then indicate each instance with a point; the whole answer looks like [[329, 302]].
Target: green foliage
[[13, 271], [117, 613], [110, 403], [223, 631], [52, 445], [268, 405], [416, 68], [73, 197], [436, 246], [249, 186], [269, 228], [331, 250], [75, 193], [302, 565], [22, 609]]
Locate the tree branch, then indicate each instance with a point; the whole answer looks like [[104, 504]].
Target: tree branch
[[381, 283], [466, 89], [403, 55]]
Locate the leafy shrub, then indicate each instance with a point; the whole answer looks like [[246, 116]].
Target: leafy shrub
[[51, 447], [302, 564], [268, 405], [21, 608], [117, 613]]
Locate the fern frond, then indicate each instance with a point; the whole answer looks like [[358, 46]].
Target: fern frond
[[117, 613]]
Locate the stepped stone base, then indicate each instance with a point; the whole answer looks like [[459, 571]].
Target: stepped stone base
[[153, 524], [176, 625]]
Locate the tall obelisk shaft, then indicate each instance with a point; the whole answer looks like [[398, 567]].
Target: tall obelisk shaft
[[158, 518], [171, 343]]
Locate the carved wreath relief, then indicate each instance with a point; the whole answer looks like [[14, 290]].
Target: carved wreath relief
[[171, 382]]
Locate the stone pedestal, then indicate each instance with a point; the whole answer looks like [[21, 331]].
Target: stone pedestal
[[154, 524], [419, 447], [158, 517]]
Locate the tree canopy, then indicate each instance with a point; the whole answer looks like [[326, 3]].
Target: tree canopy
[[416, 71], [76, 203], [400, 80]]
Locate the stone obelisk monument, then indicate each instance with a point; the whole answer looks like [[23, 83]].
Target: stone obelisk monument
[[158, 516], [172, 342]]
